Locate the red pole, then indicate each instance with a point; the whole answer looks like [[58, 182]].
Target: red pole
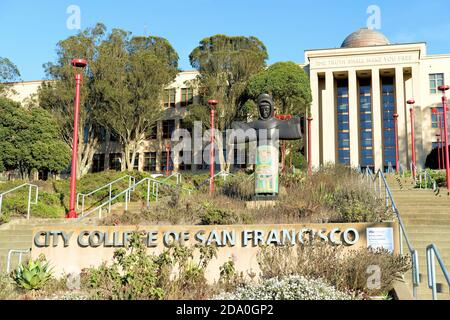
[[413, 142], [212, 104], [396, 141], [441, 141], [445, 138], [309, 146], [439, 150], [167, 159], [76, 63]]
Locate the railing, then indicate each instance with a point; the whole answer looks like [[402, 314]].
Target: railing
[[131, 181], [224, 174], [379, 183], [29, 203], [153, 187], [177, 175], [433, 252], [401, 170], [10, 253]]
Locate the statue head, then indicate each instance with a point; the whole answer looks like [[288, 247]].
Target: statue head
[[265, 106]]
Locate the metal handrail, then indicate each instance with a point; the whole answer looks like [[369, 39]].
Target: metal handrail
[[175, 174], [401, 170], [433, 252], [391, 203], [30, 202], [10, 253], [224, 174], [131, 181], [152, 189]]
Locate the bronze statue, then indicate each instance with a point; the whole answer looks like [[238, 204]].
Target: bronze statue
[[269, 131]]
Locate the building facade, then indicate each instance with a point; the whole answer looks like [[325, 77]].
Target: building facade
[[357, 89]]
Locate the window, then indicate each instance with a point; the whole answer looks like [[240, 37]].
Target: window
[[434, 118], [115, 160], [136, 161], [187, 97], [436, 80], [98, 162], [168, 128], [169, 98], [343, 133], [365, 121], [435, 145], [150, 161], [387, 94], [113, 137]]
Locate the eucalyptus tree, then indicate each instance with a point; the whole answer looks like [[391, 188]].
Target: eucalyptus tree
[[226, 64], [8, 73]]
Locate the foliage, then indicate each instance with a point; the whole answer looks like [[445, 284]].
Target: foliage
[[29, 139], [212, 215], [226, 64], [239, 186], [121, 90], [7, 288], [347, 272], [293, 287], [34, 275], [134, 274], [8, 72], [288, 84]]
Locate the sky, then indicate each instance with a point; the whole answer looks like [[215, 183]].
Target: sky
[[30, 30]]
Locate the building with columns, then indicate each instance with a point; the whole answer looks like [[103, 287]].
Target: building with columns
[[357, 89]]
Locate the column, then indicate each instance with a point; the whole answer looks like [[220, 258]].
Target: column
[[160, 145], [353, 117], [175, 157], [377, 121], [315, 145], [329, 120], [403, 119]]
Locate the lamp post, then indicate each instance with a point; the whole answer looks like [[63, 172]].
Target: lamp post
[[167, 159], [444, 88], [438, 119], [438, 137], [309, 146], [81, 64], [395, 115], [283, 147], [212, 106], [413, 142]]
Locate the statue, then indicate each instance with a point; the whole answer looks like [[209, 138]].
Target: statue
[[269, 131]]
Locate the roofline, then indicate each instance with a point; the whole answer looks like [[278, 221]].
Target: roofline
[[27, 82], [375, 46]]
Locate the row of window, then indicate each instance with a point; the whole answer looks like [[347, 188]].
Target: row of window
[[169, 98]]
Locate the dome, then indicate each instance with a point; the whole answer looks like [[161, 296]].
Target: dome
[[365, 38]]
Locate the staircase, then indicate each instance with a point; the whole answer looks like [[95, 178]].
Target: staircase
[[426, 216]]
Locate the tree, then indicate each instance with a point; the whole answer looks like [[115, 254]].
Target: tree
[[8, 73], [29, 139], [130, 76], [226, 64], [58, 96], [288, 84]]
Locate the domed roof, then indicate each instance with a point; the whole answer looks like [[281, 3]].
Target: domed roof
[[365, 38]]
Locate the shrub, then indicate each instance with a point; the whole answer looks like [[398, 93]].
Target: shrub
[[212, 215], [7, 287], [346, 271], [136, 275], [286, 288], [239, 187], [34, 275]]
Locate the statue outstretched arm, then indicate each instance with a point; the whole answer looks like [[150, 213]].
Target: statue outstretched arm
[[290, 129]]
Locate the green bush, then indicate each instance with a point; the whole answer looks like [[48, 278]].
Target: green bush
[[136, 275], [212, 215], [286, 288], [240, 187], [33, 275]]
